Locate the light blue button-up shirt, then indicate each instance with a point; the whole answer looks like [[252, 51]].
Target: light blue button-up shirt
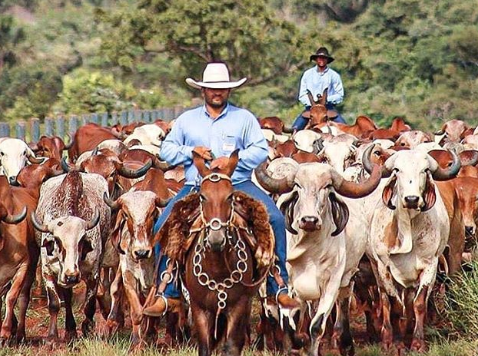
[[234, 128], [317, 82]]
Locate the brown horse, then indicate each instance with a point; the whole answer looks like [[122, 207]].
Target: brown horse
[[227, 254]]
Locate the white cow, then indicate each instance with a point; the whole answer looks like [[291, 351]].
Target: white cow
[[14, 155], [149, 134], [409, 231], [318, 249]]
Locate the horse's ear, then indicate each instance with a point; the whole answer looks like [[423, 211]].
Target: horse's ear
[[323, 98], [233, 159], [200, 165]]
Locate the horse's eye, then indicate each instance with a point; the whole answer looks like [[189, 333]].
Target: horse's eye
[[202, 197]]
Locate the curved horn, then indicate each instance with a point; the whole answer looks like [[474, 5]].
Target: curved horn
[[37, 225], [135, 173], [469, 157], [357, 190], [37, 160], [15, 219], [162, 165], [70, 143], [287, 129], [94, 221], [273, 185], [449, 172], [368, 165], [64, 165], [161, 203], [439, 132], [113, 204]]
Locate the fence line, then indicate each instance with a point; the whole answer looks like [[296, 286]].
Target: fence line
[[61, 126]]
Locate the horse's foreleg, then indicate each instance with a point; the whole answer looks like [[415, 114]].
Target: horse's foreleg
[[204, 324], [237, 322]]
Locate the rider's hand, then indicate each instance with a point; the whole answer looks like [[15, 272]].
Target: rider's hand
[[220, 163], [203, 152]]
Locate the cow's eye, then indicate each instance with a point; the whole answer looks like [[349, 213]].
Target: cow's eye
[[2, 154]]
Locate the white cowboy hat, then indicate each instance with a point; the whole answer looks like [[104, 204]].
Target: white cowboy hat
[[215, 76]]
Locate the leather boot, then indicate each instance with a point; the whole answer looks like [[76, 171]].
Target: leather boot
[[287, 302], [162, 305]]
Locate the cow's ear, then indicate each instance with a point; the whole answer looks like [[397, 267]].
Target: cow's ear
[[387, 193], [85, 247], [287, 209], [429, 195], [116, 233], [340, 213], [49, 245]]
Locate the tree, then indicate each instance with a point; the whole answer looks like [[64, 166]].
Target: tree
[[246, 34]]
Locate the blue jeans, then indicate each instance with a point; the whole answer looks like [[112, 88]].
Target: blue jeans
[[300, 122], [276, 219]]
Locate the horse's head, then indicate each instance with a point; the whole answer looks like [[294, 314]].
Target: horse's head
[[318, 110], [216, 197]]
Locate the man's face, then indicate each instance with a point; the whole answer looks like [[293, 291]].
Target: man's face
[[321, 61], [216, 98]]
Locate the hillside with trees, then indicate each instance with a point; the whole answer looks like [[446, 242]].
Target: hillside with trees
[[415, 59]]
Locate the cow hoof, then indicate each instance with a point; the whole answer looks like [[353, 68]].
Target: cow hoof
[[418, 346], [70, 336], [51, 343], [87, 326]]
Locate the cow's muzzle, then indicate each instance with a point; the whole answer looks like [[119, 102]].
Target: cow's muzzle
[[309, 223], [142, 254], [411, 202], [71, 279]]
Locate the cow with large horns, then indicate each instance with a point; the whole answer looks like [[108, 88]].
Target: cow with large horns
[[72, 223], [316, 216], [408, 234]]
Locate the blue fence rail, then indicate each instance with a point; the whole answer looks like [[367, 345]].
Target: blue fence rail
[[61, 126]]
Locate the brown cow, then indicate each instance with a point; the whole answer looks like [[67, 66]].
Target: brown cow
[[133, 237], [18, 255], [49, 146], [275, 124], [87, 137]]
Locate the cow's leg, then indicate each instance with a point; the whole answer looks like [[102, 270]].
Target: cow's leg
[[10, 301], [53, 308], [342, 338], [203, 323], [387, 330], [420, 309], [319, 321], [90, 305], [237, 321], [70, 324], [112, 322], [104, 292], [24, 298], [136, 308]]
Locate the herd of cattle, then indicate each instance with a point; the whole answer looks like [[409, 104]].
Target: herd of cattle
[[372, 215]]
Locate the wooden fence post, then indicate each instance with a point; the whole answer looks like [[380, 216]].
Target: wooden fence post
[[114, 118], [94, 118], [146, 116], [104, 119], [49, 131], [60, 127], [20, 130], [124, 118], [4, 129], [34, 129], [72, 125]]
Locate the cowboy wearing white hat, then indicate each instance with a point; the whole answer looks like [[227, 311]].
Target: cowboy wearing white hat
[[215, 76], [214, 131]]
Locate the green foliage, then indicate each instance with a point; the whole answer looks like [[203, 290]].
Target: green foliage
[[462, 303], [28, 91], [89, 92]]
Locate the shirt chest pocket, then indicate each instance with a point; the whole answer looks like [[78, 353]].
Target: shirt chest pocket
[[228, 145]]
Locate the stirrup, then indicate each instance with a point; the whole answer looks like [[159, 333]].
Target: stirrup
[[281, 289]]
